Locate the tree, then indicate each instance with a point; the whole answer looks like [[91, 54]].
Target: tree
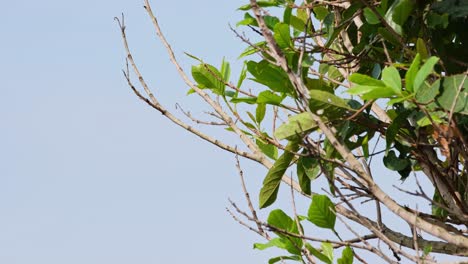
[[339, 84]]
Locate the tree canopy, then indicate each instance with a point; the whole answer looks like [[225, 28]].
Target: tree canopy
[[330, 86]]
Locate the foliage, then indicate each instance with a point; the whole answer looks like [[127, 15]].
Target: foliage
[[341, 75]]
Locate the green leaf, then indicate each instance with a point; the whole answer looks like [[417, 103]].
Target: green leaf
[[207, 76], [295, 125], [402, 11], [320, 12], [394, 127], [252, 49], [268, 149], [264, 3], [392, 162], [271, 21], [270, 75], [225, 70], [436, 21], [421, 49], [329, 98], [268, 97], [427, 93], [454, 97], [279, 219], [411, 73], [372, 92], [327, 250], [425, 70], [365, 80], [346, 256], [389, 18], [282, 35], [391, 78], [260, 112], [436, 118], [242, 76], [278, 242], [247, 100], [248, 20], [322, 212], [318, 254], [275, 242], [303, 178], [272, 180], [427, 249], [371, 17], [280, 258]]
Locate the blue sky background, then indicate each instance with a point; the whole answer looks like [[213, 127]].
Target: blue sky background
[[90, 174]]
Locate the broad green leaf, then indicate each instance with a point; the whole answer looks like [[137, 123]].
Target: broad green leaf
[[391, 78], [207, 76], [436, 210], [388, 36], [275, 242], [329, 98], [252, 49], [436, 118], [268, 149], [327, 250], [278, 242], [362, 89], [318, 254], [322, 212], [311, 167], [392, 162], [421, 49], [372, 92], [279, 219], [260, 112], [295, 125], [281, 258], [282, 35], [297, 23], [271, 21], [425, 70], [427, 93], [247, 100], [405, 97], [271, 76], [411, 73], [381, 92], [394, 127], [346, 256], [272, 180], [371, 17], [389, 18], [454, 97], [435, 20], [362, 79], [264, 3], [268, 97], [402, 11], [248, 20], [303, 178], [320, 12]]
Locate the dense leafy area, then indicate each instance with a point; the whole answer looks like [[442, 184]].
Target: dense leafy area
[[409, 55]]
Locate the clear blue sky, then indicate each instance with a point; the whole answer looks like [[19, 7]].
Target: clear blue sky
[[88, 173]]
